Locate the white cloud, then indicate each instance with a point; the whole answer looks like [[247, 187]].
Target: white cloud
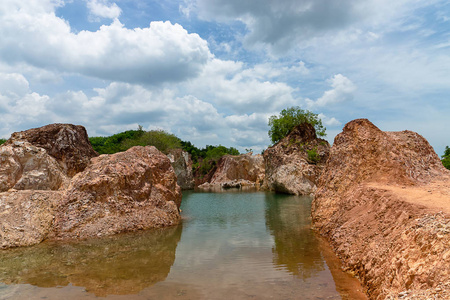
[[162, 52], [342, 90], [332, 122], [103, 9]]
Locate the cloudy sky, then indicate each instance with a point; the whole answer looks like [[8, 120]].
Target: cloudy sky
[[213, 71]]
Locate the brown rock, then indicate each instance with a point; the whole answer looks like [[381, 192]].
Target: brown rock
[[68, 144], [26, 217], [182, 164], [235, 171], [289, 169], [126, 191], [27, 167], [367, 206]]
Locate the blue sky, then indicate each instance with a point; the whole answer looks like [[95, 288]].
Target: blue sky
[[214, 71]]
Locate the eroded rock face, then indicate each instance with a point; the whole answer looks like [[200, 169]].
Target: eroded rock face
[[26, 217], [392, 243], [235, 171], [289, 169], [67, 143], [27, 167], [182, 164], [126, 191]]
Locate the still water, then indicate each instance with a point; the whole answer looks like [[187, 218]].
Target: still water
[[236, 245]]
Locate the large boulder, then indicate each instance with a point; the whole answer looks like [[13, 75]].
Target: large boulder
[[235, 171], [27, 167], [67, 143], [375, 203], [294, 164], [26, 217], [182, 164], [126, 191]]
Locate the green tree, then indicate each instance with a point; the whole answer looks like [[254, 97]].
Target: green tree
[[289, 118], [446, 158], [2, 141]]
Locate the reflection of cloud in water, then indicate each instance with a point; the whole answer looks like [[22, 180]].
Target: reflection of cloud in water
[[296, 245], [121, 264]]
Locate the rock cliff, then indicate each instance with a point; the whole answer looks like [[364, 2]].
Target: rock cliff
[[383, 204], [234, 171], [182, 164], [127, 191], [293, 165], [67, 143]]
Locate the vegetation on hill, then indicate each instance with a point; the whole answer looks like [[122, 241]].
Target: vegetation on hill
[[446, 158], [204, 159], [282, 125], [2, 141]]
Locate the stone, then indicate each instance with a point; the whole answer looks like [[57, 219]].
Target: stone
[[67, 143], [27, 167], [26, 217], [237, 171], [127, 191], [288, 166], [182, 164], [373, 206]]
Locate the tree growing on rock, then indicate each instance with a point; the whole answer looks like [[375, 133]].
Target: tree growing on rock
[[446, 158], [282, 125]]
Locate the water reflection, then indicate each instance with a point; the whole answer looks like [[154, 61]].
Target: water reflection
[[296, 246], [122, 264]]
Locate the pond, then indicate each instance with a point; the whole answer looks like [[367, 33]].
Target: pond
[[234, 245]]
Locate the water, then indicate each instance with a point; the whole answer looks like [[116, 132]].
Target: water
[[236, 245]]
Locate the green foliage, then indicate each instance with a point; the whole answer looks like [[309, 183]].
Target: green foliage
[[161, 139], [313, 156], [282, 125], [2, 141], [114, 143], [446, 158]]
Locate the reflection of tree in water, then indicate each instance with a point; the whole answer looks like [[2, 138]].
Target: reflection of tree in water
[[296, 246], [121, 264]]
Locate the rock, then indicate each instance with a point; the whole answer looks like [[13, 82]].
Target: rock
[[126, 191], [365, 208], [288, 166], [237, 171], [68, 144], [26, 217], [27, 167], [182, 164]]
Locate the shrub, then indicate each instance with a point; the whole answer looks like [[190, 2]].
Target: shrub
[[313, 156]]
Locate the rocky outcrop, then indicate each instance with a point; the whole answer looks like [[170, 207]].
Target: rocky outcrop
[[25, 167], [67, 143], [370, 205], [182, 164], [236, 171], [126, 191], [293, 165], [26, 217]]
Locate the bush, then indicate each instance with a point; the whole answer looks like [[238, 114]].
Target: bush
[[2, 141], [446, 158], [313, 156], [282, 125]]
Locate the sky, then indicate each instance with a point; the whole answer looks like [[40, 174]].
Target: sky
[[213, 71]]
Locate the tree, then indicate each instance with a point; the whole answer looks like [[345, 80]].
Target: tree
[[289, 118], [446, 158], [2, 141]]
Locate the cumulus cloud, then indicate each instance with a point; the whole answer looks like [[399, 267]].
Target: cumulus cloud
[[280, 26], [342, 90], [103, 9], [162, 52]]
